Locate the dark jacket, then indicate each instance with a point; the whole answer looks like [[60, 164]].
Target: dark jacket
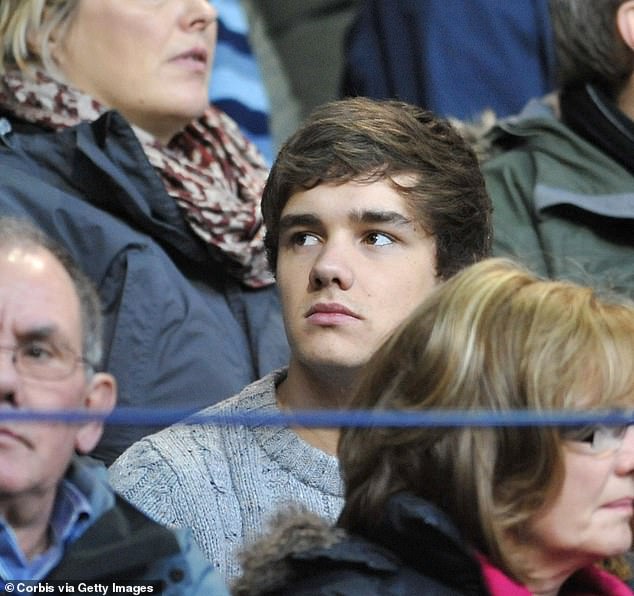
[[124, 546], [414, 549], [178, 333]]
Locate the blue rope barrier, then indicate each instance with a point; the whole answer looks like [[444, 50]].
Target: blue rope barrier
[[329, 418]]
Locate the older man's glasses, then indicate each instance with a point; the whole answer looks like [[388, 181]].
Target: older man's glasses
[[598, 438], [43, 360]]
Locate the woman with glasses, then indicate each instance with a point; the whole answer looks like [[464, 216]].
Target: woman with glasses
[[108, 142], [473, 510]]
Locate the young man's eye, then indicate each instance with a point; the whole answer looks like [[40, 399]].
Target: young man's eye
[[379, 239], [304, 239]]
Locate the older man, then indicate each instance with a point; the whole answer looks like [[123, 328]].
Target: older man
[[59, 519]]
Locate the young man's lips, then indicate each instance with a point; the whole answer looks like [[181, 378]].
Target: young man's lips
[[329, 313]]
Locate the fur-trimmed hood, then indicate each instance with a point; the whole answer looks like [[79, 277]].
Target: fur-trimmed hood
[[413, 548], [265, 562], [485, 132]]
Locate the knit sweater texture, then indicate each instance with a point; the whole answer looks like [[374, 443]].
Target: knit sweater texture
[[225, 481]]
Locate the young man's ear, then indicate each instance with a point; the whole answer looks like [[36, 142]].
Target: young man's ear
[[625, 22], [101, 396]]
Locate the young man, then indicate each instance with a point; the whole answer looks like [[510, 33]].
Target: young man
[[563, 183], [368, 206], [59, 518]]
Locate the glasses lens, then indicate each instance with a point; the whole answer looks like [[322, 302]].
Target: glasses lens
[[45, 360], [607, 438], [599, 437]]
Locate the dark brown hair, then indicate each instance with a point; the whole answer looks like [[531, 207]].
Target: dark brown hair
[[365, 140]]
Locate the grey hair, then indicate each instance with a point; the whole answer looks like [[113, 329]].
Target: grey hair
[[22, 233]]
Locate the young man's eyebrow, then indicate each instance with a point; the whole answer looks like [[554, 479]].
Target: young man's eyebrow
[[356, 216], [298, 220], [376, 216]]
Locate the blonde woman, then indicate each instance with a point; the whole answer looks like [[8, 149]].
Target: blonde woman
[[107, 141], [498, 511]]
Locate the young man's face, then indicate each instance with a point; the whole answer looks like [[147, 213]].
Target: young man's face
[[352, 264]]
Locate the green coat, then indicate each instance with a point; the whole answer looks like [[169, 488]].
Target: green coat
[[561, 206]]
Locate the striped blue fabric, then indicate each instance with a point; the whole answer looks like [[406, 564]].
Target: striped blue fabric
[[236, 83]]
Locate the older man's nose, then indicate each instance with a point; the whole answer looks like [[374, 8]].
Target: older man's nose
[[9, 377]]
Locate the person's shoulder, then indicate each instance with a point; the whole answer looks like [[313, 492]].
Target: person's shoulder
[[538, 114], [154, 469], [539, 120], [24, 143], [188, 572], [304, 554], [169, 555], [258, 395], [190, 447]]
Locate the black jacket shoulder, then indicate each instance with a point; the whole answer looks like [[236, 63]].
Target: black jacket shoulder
[[414, 549]]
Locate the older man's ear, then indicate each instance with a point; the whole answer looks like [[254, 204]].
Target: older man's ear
[[101, 396]]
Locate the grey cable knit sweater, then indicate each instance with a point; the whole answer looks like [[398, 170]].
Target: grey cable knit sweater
[[223, 482]]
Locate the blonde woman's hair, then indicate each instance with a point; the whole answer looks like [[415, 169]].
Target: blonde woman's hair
[[26, 29], [495, 337]]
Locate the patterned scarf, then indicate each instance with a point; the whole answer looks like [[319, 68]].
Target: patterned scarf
[[210, 169]]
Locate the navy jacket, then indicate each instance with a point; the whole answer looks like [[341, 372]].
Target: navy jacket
[[178, 333], [454, 57]]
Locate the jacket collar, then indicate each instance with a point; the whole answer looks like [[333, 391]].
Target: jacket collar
[[411, 524], [108, 151], [593, 116]]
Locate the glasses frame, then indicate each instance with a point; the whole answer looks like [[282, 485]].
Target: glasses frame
[[599, 438], [17, 360]]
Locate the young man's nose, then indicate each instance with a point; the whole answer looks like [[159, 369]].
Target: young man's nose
[[332, 266]]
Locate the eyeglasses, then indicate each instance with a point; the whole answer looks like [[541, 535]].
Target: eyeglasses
[[43, 360], [599, 438]]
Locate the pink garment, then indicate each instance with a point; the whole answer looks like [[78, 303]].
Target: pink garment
[[590, 581]]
